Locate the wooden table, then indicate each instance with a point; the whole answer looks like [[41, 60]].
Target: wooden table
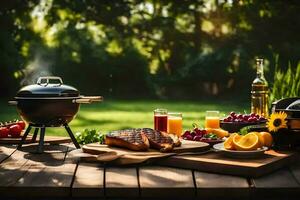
[[55, 175]]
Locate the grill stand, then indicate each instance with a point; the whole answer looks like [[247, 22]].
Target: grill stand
[[40, 148]]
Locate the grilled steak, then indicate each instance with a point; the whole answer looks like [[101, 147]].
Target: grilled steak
[[130, 139], [141, 139], [159, 140], [176, 140]]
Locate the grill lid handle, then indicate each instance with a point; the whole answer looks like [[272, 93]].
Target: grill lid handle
[[45, 80]]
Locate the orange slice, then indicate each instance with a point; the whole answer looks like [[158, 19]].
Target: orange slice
[[218, 131], [236, 138], [228, 144], [268, 139], [247, 143], [260, 138]]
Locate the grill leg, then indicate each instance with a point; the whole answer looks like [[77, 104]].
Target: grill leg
[[41, 142], [24, 136], [72, 136], [36, 130]]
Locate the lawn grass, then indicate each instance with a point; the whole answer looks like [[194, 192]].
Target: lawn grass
[[115, 114]]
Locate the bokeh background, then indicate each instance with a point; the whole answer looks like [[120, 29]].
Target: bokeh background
[[159, 49], [200, 51]]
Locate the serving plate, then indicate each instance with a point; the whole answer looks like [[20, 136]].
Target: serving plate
[[233, 127], [239, 154]]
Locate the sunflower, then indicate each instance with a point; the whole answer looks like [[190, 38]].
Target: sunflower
[[277, 121]]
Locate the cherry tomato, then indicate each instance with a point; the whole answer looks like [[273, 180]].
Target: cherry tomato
[[21, 124], [4, 132], [15, 130]]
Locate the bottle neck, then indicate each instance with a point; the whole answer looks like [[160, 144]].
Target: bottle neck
[[259, 68]]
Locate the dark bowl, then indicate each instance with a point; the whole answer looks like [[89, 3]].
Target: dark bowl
[[233, 127], [212, 142]]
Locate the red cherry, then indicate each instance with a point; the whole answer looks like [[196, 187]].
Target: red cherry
[[232, 114], [193, 133], [188, 137], [198, 133], [197, 138], [251, 119], [186, 133], [245, 118], [240, 116], [261, 119]]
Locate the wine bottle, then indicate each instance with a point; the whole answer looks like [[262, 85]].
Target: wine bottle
[[260, 91]]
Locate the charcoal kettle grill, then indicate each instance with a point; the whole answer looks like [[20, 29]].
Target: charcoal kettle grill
[[49, 103], [288, 138]]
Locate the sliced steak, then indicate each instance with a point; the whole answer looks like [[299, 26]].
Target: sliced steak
[[176, 140], [129, 138], [158, 140]]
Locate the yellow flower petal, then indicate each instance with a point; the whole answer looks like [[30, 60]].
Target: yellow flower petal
[[277, 121]]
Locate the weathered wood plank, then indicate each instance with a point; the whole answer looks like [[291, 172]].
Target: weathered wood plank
[[277, 184], [88, 181], [295, 169], [166, 182], [46, 181], [12, 169], [6, 151], [216, 185], [30, 175], [121, 182], [48, 139], [212, 162]]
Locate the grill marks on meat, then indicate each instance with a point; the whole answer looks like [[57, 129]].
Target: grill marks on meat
[[140, 139], [159, 140], [129, 139]]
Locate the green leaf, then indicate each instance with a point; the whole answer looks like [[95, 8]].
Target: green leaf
[[89, 136]]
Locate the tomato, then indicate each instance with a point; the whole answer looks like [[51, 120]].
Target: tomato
[[4, 132], [15, 130], [21, 124]]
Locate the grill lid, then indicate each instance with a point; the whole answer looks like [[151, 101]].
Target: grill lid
[[294, 106], [49, 86]]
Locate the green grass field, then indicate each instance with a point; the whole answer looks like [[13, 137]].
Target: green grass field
[[114, 114]]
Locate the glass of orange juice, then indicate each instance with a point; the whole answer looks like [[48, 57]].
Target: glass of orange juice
[[175, 123], [212, 119]]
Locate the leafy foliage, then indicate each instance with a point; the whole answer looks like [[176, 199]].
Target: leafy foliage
[[89, 136], [145, 48], [286, 83]]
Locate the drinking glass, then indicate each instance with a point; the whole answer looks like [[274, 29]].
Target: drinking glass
[[175, 123], [212, 119], [161, 120]]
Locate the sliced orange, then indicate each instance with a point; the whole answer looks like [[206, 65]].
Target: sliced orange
[[260, 138], [228, 144], [236, 138], [209, 130], [268, 139], [247, 143], [218, 131]]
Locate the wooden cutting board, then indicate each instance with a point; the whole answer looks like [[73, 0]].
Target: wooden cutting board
[[216, 162], [102, 153], [48, 139], [186, 146]]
